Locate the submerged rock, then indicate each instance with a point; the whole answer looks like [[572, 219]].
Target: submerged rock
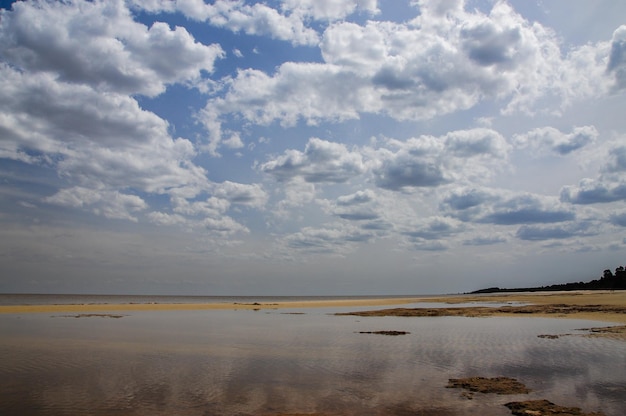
[[545, 408], [497, 385]]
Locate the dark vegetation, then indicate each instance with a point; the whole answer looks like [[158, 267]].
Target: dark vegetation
[[608, 281]]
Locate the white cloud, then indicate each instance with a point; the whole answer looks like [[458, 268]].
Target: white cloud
[[610, 183], [321, 162], [237, 16], [98, 43], [433, 65], [359, 206], [427, 161], [548, 138], [335, 239], [64, 103], [110, 204], [433, 228], [329, 9]]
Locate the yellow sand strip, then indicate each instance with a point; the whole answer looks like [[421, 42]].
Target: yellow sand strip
[[605, 298], [206, 306]]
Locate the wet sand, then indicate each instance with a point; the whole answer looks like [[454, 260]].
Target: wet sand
[[608, 306]]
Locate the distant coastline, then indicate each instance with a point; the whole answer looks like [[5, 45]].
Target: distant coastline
[[608, 281]]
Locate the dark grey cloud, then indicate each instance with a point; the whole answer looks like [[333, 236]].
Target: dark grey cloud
[[527, 215], [475, 142], [378, 225], [427, 245], [358, 215], [616, 160], [359, 206], [502, 208], [434, 229], [391, 79], [412, 172], [337, 239], [533, 233], [577, 140], [484, 241], [619, 219], [617, 58], [589, 191], [558, 232], [466, 198], [487, 44], [526, 209]]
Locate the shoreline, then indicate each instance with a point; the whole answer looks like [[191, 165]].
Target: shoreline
[[606, 304], [101, 307]]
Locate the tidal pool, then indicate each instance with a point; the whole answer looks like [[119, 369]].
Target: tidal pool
[[301, 361]]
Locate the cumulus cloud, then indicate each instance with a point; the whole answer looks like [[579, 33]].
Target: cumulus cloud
[[67, 76], [359, 206], [110, 204], [610, 183], [548, 138], [557, 232], [484, 240], [252, 19], [617, 59], [338, 239], [590, 191], [500, 207], [618, 218], [434, 228], [251, 195], [432, 65], [428, 161], [98, 43], [321, 162], [329, 9], [616, 160]]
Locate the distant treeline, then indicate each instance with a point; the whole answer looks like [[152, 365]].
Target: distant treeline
[[609, 280]]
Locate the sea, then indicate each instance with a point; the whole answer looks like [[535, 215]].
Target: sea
[[295, 361]]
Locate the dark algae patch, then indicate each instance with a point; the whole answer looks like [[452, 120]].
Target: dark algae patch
[[392, 333], [505, 385], [545, 408], [497, 385], [93, 315], [479, 311]]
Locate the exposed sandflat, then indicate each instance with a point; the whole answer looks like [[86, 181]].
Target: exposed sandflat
[[206, 306], [574, 298]]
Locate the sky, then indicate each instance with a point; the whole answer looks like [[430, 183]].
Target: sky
[[310, 147]]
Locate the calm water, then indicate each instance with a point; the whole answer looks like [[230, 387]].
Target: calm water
[[295, 361]]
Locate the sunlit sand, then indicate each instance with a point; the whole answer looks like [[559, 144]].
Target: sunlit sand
[[611, 305]]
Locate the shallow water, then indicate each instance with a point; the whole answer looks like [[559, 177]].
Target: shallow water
[[222, 362]]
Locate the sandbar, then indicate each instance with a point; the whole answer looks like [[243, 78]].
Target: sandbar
[[107, 307], [608, 306]]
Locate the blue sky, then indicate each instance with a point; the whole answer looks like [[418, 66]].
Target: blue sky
[[310, 146]]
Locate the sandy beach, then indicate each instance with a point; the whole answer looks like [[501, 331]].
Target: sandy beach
[[608, 306]]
